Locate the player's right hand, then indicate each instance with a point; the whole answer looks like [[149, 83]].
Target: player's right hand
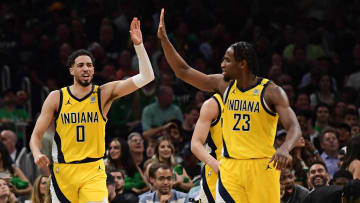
[[41, 160], [161, 29]]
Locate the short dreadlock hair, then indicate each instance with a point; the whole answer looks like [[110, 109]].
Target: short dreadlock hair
[[246, 51], [80, 52]]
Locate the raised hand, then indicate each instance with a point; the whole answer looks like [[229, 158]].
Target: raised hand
[[135, 32], [161, 29]]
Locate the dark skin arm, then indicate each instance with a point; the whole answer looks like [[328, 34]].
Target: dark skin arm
[[208, 83], [276, 98]]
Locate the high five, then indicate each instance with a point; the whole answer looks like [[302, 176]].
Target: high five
[[252, 106]]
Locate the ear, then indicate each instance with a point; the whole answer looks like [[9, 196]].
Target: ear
[[243, 64], [71, 69]]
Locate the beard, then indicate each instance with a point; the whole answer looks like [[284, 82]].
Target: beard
[[226, 78], [84, 84]]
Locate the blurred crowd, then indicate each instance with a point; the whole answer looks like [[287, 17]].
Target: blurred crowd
[[309, 48]]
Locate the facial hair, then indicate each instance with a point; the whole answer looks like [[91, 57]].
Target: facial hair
[[226, 78], [84, 84]]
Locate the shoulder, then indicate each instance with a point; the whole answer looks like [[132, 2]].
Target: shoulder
[[146, 196], [179, 194], [210, 107], [274, 94]]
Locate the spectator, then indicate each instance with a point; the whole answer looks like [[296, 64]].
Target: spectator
[[322, 117], [156, 114], [294, 193], [191, 114], [280, 138], [355, 130], [164, 153], [318, 175], [120, 159], [352, 157], [342, 177], [335, 193], [330, 145], [117, 194], [324, 93], [19, 183], [338, 112], [6, 196], [351, 117], [39, 190], [136, 146], [163, 180], [9, 138], [302, 102], [306, 125], [344, 133], [9, 114], [303, 154]]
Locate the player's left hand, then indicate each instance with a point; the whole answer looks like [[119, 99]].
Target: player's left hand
[[135, 32], [281, 158]]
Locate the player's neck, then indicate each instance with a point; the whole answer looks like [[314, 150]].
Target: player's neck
[[80, 91], [246, 80]]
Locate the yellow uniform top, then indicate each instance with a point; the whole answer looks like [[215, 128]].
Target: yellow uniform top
[[80, 128], [214, 139], [249, 126]]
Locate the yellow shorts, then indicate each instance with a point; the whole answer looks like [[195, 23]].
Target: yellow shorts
[[84, 182], [248, 181], [208, 184]]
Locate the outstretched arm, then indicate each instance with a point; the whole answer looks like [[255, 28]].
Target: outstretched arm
[[209, 83], [278, 99], [209, 112], [116, 89]]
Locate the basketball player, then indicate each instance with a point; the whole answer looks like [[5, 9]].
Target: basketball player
[[78, 171], [249, 169], [208, 129]]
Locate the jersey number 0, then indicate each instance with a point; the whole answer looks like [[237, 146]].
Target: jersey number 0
[[80, 133]]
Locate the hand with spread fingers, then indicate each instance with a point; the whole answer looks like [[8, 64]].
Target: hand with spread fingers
[[161, 29], [135, 32], [281, 158]]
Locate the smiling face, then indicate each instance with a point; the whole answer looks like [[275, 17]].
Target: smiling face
[[115, 150], [83, 70], [229, 65], [165, 150], [287, 180], [318, 176]]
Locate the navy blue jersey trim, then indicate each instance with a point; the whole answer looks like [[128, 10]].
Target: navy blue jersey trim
[[58, 192], [206, 188], [252, 86], [99, 102], [224, 193], [80, 99], [262, 100], [58, 144]]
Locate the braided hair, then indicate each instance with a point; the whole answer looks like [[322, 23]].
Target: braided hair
[[246, 51]]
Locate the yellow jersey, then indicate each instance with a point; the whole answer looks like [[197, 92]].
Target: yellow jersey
[[80, 128], [214, 139], [249, 126]]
